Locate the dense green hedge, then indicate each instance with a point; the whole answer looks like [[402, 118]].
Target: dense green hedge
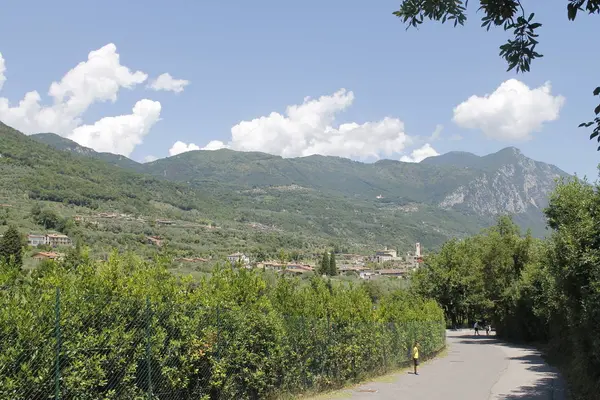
[[125, 328]]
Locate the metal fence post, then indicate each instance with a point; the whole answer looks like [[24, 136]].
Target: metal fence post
[[384, 331], [58, 345], [218, 332], [329, 358], [148, 348]]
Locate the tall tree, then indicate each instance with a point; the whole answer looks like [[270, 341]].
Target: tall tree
[[332, 266], [324, 265], [518, 52], [11, 248]]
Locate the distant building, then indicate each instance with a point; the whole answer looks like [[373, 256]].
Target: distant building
[[414, 259], [56, 239], [47, 256], [36, 240], [367, 275], [384, 255], [349, 269], [303, 267], [391, 272], [238, 257], [271, 265]]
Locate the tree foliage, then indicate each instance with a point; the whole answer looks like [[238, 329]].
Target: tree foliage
[[323, 267], [129, 328], [531, 290], [333, 271], [11, 247], [511, 15]]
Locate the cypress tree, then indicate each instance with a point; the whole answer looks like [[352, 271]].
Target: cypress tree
[[332, 267], [324, 267], [11, 247]]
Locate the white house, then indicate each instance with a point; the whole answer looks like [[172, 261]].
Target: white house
[[238, 257], [36, 240]]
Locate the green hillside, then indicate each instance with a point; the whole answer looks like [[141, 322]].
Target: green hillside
[[219, 212], [394, 180]]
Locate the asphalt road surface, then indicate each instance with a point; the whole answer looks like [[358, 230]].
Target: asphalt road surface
[[473, 368]]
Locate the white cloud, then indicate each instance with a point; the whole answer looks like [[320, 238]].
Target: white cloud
[[309, 128], [99, 79], [2, 71], [168, 83], [150, 158], [180, 147], [418, 155], [436, 133], [119, 134], [215, 145], [512, 112]]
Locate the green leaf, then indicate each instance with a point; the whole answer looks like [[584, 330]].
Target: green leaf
[[597, 91], [594, 134], [597, 109], [571, 12]]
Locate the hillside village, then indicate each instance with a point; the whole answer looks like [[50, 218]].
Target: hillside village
[[383, 263], [386, 262]]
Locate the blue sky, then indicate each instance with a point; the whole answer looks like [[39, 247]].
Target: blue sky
[[246, 60]]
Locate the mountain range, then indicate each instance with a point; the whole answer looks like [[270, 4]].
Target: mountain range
[[360, 204]]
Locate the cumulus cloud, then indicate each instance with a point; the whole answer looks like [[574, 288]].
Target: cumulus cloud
[[310, 128], [167, 83], [122, 133], [418, 155], [99, 79], [181, 147], [2, 71], [512, 112], [150, 158]]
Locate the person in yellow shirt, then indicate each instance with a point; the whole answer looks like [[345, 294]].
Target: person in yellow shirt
[[415, 355]]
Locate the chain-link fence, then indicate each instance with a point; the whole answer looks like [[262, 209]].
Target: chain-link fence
[[132, 346]]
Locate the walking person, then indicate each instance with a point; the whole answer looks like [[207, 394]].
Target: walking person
[[487, 329], [415, 355], [476, 327]]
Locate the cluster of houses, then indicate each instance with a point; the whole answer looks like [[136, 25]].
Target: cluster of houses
[[52, 240], [348, 264]]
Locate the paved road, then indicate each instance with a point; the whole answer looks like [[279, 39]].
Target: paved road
[[474, 368]]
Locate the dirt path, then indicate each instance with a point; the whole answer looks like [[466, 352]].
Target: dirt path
[[474, 368]]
